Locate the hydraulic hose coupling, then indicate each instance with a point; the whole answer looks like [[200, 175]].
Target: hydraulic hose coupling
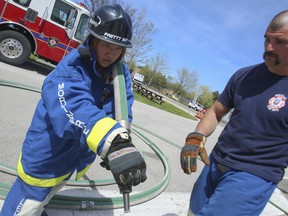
[[87, 205]]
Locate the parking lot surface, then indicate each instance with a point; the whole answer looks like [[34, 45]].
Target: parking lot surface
[[167, 189]]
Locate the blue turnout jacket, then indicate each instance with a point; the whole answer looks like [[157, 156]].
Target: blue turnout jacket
[[72, 120]]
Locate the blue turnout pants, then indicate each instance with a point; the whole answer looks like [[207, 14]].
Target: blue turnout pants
[[27, 200]]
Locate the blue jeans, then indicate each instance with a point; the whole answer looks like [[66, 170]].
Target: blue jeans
[[223, 191]]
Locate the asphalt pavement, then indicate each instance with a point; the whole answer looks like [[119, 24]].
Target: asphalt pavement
[[158, 134]]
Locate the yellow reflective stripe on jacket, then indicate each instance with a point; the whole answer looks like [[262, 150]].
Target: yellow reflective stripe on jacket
[[82, 172], [36, 181], [100, 129]]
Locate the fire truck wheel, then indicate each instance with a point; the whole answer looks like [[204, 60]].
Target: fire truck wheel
[[15, 48]]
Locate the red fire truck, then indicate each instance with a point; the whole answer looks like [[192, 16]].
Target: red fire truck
[[48, 29]]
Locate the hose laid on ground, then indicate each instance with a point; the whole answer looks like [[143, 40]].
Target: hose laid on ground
[[103, 204], [72, 202]]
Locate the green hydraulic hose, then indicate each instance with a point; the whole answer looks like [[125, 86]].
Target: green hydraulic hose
[[78, 183], [160, 137], [117, 202], [72, 202], [105, 203], [121, 115], [121, 104], [12, 84]]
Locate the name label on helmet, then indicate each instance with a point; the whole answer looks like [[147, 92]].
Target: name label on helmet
[[115, 37]]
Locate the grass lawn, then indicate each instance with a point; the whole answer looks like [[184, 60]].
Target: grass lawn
[[166, 106]]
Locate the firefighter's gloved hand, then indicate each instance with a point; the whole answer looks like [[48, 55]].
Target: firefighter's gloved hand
[[193, 147], [105, 163], [123, 132], [126, 163]]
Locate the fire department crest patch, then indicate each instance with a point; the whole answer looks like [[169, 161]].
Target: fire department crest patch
[[276, 102], [52, 42]]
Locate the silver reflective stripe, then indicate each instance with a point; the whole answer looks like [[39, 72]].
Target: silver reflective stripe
[[35, 208], [190, 213]]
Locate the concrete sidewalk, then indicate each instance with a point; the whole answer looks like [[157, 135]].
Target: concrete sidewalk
[[16, 110], [166, 204]]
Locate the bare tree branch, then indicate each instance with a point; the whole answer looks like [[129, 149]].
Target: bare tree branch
[[157, 64], [185, 80], [142, 30]]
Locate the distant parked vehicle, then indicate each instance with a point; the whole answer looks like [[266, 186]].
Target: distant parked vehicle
[[191, 105], [196, 106]]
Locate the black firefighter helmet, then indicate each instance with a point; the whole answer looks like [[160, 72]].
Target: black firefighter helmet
[[112, 24]]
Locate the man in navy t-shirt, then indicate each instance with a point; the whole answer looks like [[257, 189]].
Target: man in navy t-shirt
[[249, 159]]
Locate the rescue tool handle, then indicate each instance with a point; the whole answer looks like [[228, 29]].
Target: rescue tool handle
[[126, 202]]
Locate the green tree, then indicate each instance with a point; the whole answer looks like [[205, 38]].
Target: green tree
[[206, 97], [159, 81], [215, 95]]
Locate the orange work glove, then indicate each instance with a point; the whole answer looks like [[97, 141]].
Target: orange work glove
[[193, 147]]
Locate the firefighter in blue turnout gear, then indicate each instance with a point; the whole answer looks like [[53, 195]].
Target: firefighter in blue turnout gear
[[75, 119]]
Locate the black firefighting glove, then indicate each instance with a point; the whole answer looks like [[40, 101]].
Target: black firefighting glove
[[126, 163], [193, 147], [105, 164]]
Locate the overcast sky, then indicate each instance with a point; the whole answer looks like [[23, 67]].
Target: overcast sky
[[213, 37]]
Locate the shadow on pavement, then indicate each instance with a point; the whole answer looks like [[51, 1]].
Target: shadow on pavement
[[34, 66]]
